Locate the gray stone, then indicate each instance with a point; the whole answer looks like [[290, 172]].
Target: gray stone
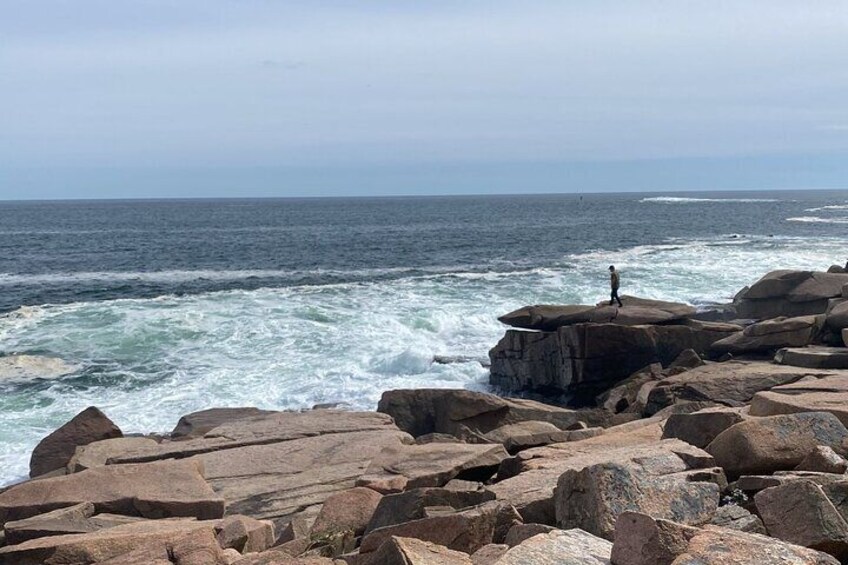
[[790, 293], [732, 383], [411, 551], [97, 453], [721, 546], [583, 360], [636, 311], [466, 530], [837, 318], [464, 413]]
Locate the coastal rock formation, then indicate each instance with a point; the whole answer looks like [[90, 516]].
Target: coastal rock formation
[[583, 360], [465, 414], [397, 468], [775, 443], [636, 312], [55, 451], [164, 489], [594, 497], [799, 512], [771, 335], [790, 293], [827, 394], [197, 424], [732, 383], [814, 357], [657, 424]]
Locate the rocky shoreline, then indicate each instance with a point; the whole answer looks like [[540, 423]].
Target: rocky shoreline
[[650, 434]]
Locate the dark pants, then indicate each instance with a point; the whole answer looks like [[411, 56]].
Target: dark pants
[[614, 297]]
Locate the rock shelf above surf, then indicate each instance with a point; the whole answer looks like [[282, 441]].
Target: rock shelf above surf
[[636, 311]]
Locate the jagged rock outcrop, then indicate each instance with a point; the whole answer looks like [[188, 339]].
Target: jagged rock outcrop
[[666, 543], [55, 451], [583, 360]]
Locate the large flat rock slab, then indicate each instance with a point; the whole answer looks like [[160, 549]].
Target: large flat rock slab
[[771, 335], [715, 545], [771, 403], [163, 489], [274, 427], [827, 394], [732, 383], [102, 545], [814, 357], [402, 467], [278, 480], [636, 311]]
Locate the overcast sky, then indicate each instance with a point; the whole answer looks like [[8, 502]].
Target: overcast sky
[[149, 98]]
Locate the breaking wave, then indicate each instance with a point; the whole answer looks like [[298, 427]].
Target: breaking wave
[[684, 200], [818, 220]]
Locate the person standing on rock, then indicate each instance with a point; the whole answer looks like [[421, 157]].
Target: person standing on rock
[[615, 282]]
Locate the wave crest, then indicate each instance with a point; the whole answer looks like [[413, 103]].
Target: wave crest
[[686, 200]]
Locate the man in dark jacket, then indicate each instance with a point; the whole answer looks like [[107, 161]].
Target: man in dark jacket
[[615, 282]]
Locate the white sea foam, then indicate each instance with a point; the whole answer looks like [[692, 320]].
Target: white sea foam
[[147, 361], [826, 208], [818, 220], [685, 200]]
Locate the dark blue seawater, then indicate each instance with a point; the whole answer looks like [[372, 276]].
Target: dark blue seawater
[[154, 309], [70, 251]]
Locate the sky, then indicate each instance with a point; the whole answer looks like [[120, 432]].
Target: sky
[[192, 98]]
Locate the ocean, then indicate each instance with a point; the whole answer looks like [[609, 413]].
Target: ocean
[[152, 309]]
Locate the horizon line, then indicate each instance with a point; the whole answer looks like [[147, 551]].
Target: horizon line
[[414, 196]]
